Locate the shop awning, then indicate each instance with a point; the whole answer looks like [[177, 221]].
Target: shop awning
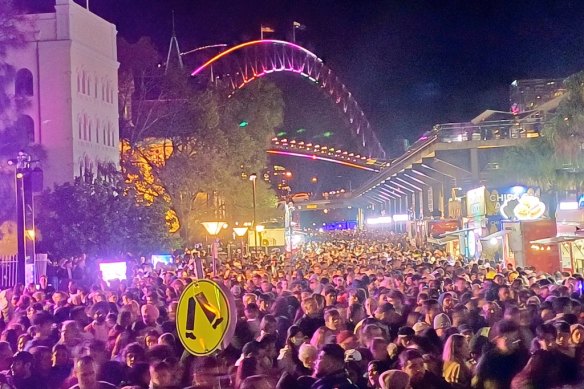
[[557, 239], [495, 235], [459, 232]]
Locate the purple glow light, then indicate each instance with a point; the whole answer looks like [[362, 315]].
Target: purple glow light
[[240, 46]]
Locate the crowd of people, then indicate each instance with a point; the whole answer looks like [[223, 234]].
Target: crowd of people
[[354, 311]]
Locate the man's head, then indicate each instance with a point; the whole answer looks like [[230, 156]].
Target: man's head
[[506, 337], [86, 372], [412, 363], [149, 314], [307, 355], [309, 306], [386, 313], [44, 322], [332, 319], [330, 296], [161, 374], [331, 358], [22, 364]]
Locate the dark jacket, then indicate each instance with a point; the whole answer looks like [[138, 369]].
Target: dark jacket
[[337, 380]]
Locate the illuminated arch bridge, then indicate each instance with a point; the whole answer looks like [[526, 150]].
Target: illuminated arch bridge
[[250, 61]]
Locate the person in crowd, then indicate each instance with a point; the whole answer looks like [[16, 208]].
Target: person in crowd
[[456, 369], [497, 367], [329, 369]]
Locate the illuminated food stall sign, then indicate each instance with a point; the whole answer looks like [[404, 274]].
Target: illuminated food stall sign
[[475, 202]]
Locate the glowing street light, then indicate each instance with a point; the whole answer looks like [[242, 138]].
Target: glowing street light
[[259, 229], [213, 228], [240, 232]]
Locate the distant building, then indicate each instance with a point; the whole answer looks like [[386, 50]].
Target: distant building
[[69, 74], [527, 95]]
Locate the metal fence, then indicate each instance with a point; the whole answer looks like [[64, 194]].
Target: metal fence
[[8, 264], [8, 270]]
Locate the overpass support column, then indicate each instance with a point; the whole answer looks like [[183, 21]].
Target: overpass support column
[[419, 203], [438, 199], [474, 166]]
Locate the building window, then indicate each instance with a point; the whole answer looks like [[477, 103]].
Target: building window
[[96, 87], [78, 82], [89, 131], [97, 131], [25, 126], [104, 139], [23, 84], [84, 127], [83, 82], [80, 125]]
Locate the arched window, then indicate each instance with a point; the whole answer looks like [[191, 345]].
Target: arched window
[[84, 127], [80, 125], [97, 131], [103, 91], [23, 84], [96, 87], [104, 136], [83, 82], [78, 82], [25, 126], [90, 130]]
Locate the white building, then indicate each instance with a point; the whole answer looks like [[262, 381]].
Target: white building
[[69, 73]]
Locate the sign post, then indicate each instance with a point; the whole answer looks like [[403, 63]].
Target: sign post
[[205, 317]]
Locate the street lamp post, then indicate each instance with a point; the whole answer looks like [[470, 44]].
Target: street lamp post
[[213, 229], [259, 229], [27, 181], [253, 177], [240, 232]]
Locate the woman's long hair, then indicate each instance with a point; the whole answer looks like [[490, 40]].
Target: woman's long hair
[[452, 348]]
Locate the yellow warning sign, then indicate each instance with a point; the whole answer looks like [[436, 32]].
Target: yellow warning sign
[[205, 317]]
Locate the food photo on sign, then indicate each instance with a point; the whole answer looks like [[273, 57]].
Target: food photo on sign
[[524, 206]]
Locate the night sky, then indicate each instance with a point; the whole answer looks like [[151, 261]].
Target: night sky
[[410, 63]]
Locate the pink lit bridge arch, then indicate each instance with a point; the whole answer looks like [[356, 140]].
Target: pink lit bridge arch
[[252, 60]]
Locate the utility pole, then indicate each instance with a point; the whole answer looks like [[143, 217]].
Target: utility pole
[[253, 177]]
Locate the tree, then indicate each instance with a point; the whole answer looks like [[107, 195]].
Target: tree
[[566, 130], [12, 138], [98, 218], [190, 146], [553, 161]]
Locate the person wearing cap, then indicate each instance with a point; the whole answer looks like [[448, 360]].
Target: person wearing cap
[[347, 340], [394, 379], [442, 324], [20, 375], [405, 337]]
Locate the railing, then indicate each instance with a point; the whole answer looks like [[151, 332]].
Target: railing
[[8, 270], [499, 129], [8, 265]]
